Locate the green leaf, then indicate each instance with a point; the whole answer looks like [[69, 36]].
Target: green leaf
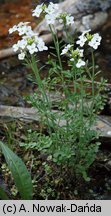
[[3, 194], [19, 172]]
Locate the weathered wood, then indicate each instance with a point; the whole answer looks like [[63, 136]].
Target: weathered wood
[[18, 113], [104, 126], [103, 123], [7, 52], [89, 14]]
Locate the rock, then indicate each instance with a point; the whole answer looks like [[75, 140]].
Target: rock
[[88, 14]]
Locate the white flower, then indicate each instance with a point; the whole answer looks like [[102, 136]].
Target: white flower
[[69, 20], [28, 31], [41, 46], [32, 48], [61, 20], [72, 59], [54, 6], [13, 29], [24, 30], [15, 47], [95, 41], [69, 46], [21, 24], [80, 63], [75, 54], [38, 39], [82, 40], [21, 56], [51, 8], [50, 19], [22, 43], [80, 52], [66, 49], [85, 32], [30, 41], [38, 10]]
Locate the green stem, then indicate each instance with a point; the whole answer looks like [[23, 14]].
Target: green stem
[[56, 43], [41, 89], [93, 77], [82, 104], [93, 74], [69, 38]]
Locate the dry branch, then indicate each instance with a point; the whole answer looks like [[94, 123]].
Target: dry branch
[[103, 123]]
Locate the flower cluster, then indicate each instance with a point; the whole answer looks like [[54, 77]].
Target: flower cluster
[[22, 29], [92, 40], [66, 19], [75, 55], [38, 10], [52, 13], [66, 49], [95, 41], [30, 41]]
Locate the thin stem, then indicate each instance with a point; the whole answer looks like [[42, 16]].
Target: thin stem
[[65, 90], [82, 103], [41, 89], [69, 38], [93, 77], [56, 43], [93, 74]]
